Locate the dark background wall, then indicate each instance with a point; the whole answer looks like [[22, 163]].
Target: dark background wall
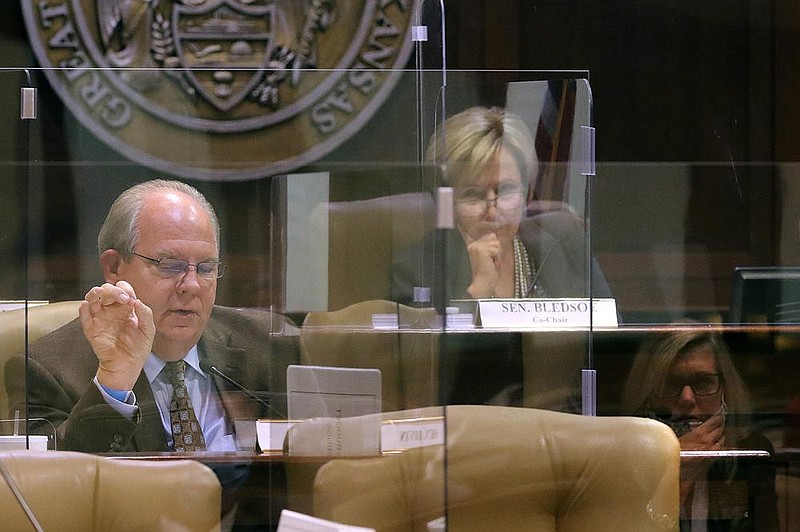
[[699, 90]]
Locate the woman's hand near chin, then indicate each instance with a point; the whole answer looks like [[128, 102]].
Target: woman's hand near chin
[[484, 254], [708, 436]]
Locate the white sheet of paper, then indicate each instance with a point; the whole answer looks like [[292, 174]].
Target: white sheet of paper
[[291, 521]]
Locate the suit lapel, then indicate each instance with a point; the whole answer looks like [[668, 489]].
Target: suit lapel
[[215, 348], [150, 433]]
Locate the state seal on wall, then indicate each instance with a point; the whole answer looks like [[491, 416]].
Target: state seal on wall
[[222, 89]]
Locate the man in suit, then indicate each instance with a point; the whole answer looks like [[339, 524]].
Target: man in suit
[[101, 380]]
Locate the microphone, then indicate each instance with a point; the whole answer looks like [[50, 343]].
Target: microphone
[[539, 267], [211, 368]]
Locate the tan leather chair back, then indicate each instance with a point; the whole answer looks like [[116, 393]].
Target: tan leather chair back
[[515, 469], [552, 363], [42, 319], [301, 472], [408, 361], [69, 491], [365, 236]]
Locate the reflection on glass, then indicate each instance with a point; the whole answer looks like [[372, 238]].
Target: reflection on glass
[[511, 240], [686, 378]]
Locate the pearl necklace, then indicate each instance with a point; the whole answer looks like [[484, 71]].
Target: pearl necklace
[[522, 269]]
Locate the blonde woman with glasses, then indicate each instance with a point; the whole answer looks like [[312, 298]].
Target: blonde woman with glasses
[[686, 378], [487, 155]]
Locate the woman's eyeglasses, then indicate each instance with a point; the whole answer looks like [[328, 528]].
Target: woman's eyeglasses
[[701, 385], [473, 202]]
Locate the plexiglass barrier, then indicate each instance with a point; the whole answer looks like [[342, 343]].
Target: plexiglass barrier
[[427, 277]]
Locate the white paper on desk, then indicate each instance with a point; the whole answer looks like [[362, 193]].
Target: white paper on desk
[[15, 304], [337, 403], [291, 521], [329, 436], [272, 433]]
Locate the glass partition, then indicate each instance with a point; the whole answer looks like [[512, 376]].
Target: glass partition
[[517, 253], [703, 258], [242, 100], [310, 253], [405, 310]]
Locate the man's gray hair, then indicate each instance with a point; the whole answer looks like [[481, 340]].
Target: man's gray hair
[[120, 229]]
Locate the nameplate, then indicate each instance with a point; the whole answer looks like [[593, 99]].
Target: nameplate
[[566, 313], [402, 434], [395, 436]]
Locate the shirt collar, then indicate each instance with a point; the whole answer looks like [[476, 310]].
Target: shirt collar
[[153, 365]]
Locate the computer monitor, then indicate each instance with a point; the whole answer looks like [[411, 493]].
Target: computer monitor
[[765, 294]]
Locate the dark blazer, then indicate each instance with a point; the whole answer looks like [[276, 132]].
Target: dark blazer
[[741, 493], [556, 246], [252, 347]]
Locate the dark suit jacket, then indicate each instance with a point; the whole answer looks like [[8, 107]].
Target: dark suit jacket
[[741, 493], [252, 347], [556, 246]]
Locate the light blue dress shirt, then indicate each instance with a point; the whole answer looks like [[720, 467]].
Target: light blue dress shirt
[[217, 429]]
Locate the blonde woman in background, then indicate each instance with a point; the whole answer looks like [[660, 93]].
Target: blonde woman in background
[[487, 155], [686, 378], [498, 249]]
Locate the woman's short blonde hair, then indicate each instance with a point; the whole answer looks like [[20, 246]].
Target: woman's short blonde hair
[[469, 140]]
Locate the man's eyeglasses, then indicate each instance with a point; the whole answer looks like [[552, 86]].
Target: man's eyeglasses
[[169, 267], [701, 385], [473, 202]]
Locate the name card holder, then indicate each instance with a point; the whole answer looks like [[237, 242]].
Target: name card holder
[[401, 434], [540, 313], [350, 436]]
